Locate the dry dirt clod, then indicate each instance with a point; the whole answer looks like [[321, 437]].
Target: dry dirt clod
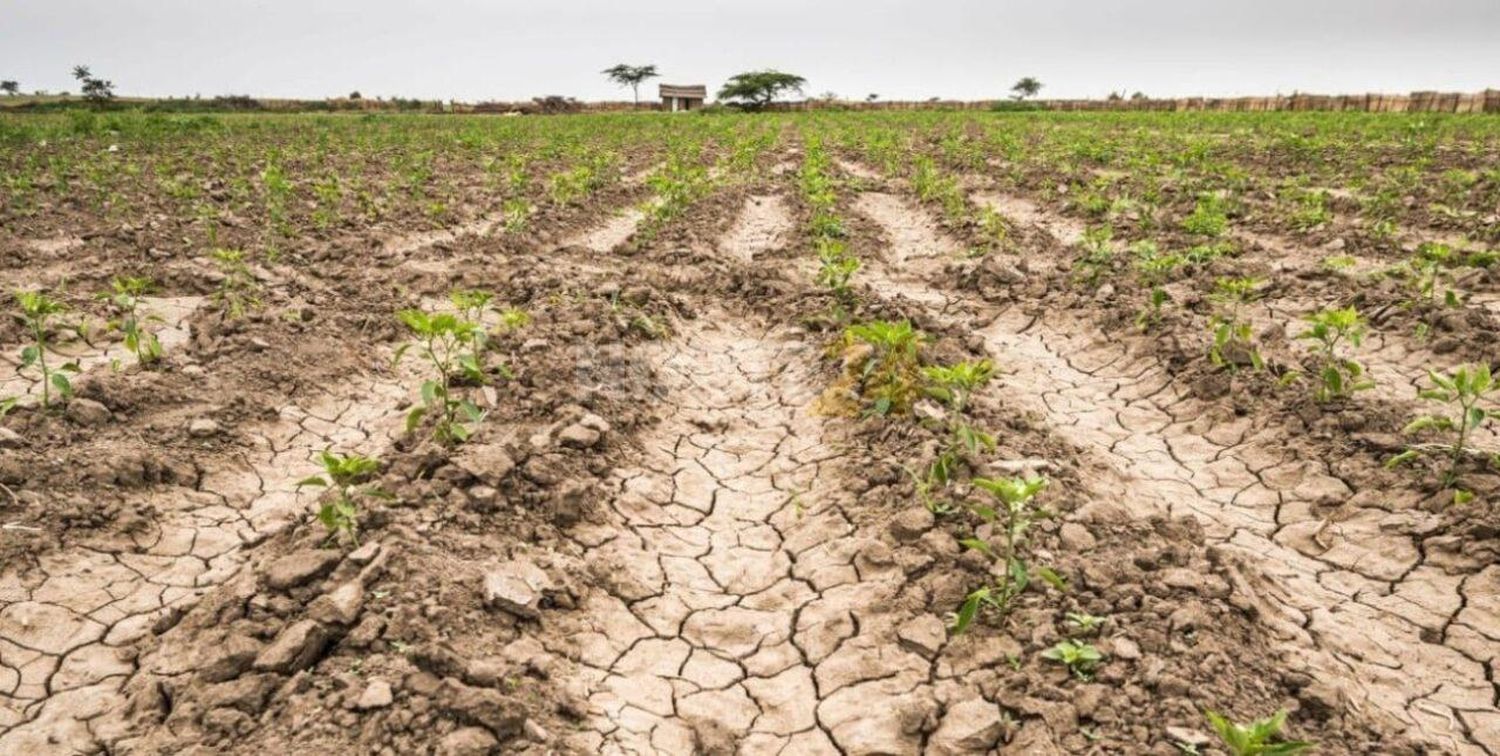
[[516, 587], [87, 412]]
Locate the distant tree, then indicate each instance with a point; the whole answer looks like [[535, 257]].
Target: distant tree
[[10, 87], [97, 91], [1116, 96], [1139, 95], [871, 97], [1027, 87], [829, 96], [355, 95], [631, 76], [757, 89]]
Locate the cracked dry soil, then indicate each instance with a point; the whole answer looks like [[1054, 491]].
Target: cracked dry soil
[[721, 567], [1363, 592]]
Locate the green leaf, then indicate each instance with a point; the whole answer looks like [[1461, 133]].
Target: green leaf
[[967, 610], [414, 418], [1050, 577], [64, 386], [1402, 458]]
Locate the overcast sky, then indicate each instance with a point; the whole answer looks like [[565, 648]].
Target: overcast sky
[[900, 49]]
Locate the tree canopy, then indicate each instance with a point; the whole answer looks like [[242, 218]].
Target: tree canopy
[[1027, 87], [756, 89], [10, 87], [631, 76], [98, 91]]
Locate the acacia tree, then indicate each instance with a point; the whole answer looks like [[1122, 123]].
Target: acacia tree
[[756, 89], [95, 90], [10, 87], [1028, 86], [631, 76]]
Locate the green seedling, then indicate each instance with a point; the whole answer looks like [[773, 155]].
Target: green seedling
[[1233, 344], [236, 292], [1080, 658], [1098, 256], [1465, 392], [446, 341], [837, 267], [995, 228], [891, 377], [1339, 376], [1013, 512], [954, 385], [38, 312], [1151, 314], [1259, 738], [125, 295], [1208, 218], [342, 473], [1084, 623]]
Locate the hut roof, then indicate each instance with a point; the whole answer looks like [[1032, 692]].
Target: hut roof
[[694, 91]]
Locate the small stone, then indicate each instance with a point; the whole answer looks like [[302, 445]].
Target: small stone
[[341, 606], [483, 496], [535, 345], [594, 422], [202, 427], [535, 732], [516, 587], [377, 695], [87, 412], [1075, 537], [912, 523], [295, 649], [366, 553], [302, 567], [229, 659], [972, 726], [924, 635], [1125, 648], [489, 463], [259, 345], [579, 436], [467, 741], [10, 439], [1188, 737]]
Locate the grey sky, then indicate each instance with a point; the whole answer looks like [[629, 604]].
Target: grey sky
[[901, 49]]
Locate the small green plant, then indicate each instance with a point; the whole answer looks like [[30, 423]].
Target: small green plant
[[1098, 256], [446, 341], [39, 312], [516, 214], [1083, 623], [1339, 376], [342, 473], [1464, 391], [1080, 658], [1208, 217], [954, 385], [891, 377], [1014, 511], [837, 267], [1233, 344], [236, 292], [1150, 315], [1257, 738], [995, 228], [125, 296]]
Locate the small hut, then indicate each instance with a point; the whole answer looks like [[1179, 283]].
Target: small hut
[[675, 97]]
